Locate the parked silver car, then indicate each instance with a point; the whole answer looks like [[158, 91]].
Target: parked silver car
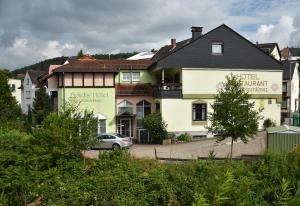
[[112, 141]]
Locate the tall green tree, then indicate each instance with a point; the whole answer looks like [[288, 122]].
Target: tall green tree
[[233, 114], [10, 111], [41, 106], [80, 53]]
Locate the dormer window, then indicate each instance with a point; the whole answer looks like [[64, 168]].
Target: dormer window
[[217, 48]]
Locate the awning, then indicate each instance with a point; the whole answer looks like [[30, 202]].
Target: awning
[[100, 116]]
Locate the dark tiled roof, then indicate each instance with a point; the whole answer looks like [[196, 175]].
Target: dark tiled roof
[[267, 47], [165, 50], [295, 51], [239, 53], [105, 65], [288, 70], [36, 75], [134, 89]]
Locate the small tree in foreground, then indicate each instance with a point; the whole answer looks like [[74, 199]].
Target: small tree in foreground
[[233, 115], [41, 106], [65, 133], [156, 126]]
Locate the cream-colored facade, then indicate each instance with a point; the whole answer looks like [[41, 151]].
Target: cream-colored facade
[[200, 85]]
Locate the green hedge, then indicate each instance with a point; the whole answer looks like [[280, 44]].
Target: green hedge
[[119, 179]]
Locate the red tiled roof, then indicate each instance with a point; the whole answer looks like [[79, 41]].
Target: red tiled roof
[[134, 89], [104, 65]]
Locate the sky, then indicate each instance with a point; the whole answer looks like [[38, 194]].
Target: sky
[[34, 30]]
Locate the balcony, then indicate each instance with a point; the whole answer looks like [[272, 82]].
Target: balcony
[[168, 90]]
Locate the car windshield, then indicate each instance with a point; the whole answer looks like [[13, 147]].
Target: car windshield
[[120, 135]]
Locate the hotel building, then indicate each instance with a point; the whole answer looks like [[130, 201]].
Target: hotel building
[[180, 81]]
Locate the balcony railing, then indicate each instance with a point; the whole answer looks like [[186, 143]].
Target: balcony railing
[[168, 90]]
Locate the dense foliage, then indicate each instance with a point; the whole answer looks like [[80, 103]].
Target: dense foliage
[[41, 106], [10, 111], [269, 123], [185, 137], [28, 175], [156, 126], [233, 114]]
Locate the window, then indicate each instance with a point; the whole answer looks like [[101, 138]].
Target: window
[[27, 81], [143, 108], [284, 87], [126, 76], [102, 126], [217, 48], [125, 107], [136, 76], [157, 107], [199, 112], [269, 101], [28, 95], [12, 87], [284, 104]]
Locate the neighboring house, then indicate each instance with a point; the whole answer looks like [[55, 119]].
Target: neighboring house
[[119, 92], [272, 49], [15, 85], [290, 91], [191, 72], [29, 86], [141, 55], [290, 53]]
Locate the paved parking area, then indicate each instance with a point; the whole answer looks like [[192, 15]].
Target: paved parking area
[[196, 149]]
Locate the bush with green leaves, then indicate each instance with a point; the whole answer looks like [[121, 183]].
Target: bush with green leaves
[[156, 126], [269, 123], [185, 137], [46, 167]]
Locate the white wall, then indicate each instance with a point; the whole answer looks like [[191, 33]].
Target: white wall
[[178, 113], [208, 81], [295, 90], [17, 92], [28, 93]]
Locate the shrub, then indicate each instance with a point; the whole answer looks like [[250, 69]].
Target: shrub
[[172, 136], [186, 137], [156, 126], [269, 123]]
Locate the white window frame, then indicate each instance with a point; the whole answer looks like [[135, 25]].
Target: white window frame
[[126, 78], [217, 48], [101, 126], [136, 76]]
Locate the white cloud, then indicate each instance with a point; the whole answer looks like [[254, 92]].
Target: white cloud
[[279, 32], [295, 35]]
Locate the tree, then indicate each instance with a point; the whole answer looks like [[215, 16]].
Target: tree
[[41, 106], [233, 114], [64, 134], [10, 111], [156, 126], [80, 53]]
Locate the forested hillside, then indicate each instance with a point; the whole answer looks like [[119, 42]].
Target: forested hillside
[[44, 65]]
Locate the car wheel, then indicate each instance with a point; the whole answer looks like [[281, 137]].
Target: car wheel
[[116, 146]]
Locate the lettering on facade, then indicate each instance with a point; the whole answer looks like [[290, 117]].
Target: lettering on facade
[[253, 83], [89, 96]]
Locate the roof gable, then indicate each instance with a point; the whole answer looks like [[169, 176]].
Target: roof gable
[[289, 67], [239, 53]]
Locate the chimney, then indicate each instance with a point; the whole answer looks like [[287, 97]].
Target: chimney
[[173, 43], [196, 32]]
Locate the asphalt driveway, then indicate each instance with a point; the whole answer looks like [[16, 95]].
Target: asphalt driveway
[[192, 150]]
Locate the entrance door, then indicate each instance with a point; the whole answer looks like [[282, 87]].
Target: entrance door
[[124, 127]]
